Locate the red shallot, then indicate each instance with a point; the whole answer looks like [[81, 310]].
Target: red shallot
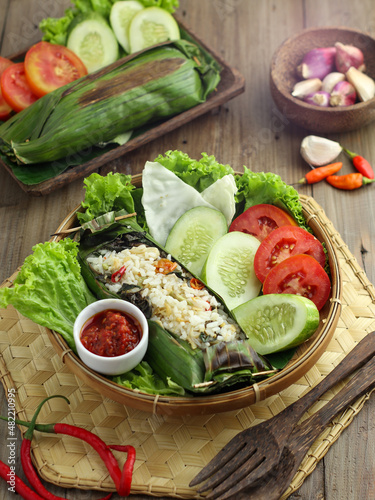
[[343, 94], [317, 63], [348, 56]]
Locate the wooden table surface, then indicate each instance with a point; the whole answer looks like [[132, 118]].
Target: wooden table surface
[[248, 130]]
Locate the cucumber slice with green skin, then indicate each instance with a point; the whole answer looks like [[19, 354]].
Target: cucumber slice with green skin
[[229, 268], [150, 26], [277, 322], [121, 15], [193, 236], [94, 42]]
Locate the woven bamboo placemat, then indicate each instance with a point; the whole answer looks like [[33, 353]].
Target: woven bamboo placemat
[[170, 450]]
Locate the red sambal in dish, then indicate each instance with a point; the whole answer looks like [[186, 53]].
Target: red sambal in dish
[[111, 333]]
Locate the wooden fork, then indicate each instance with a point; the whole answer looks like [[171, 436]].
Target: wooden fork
[[252, 453], [277, 481]]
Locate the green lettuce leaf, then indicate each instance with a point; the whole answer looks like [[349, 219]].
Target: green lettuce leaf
[[198, 174], [55, 30], [111, 193], [49, 289], [260, 187], [142, 378], [102, 7]]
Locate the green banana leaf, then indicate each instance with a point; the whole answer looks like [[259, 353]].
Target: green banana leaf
[[61, 128], [212, 370]]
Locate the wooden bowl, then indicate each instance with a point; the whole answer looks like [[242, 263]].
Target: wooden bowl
[[283, 77], [306, 356]]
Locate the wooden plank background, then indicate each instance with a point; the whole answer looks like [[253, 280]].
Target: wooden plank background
[[246, 131]]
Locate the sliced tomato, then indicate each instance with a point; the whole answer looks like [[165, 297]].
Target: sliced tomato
[[49, 66], [285, 242], [260, 220], [5, 109], [299, 275], [15, 88]]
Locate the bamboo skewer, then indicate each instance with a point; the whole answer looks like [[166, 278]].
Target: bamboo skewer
[[73, 229]]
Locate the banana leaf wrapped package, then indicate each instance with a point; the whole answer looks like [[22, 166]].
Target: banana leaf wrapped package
[[193, 339], [130, 93]]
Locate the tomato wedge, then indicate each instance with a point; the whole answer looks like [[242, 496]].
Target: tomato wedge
[[285, 242], [260, 220], [5, 109], [15, 88], [299, 275], [49, 66]]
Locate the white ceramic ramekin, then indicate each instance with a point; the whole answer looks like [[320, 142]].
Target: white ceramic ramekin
[[117, 364]]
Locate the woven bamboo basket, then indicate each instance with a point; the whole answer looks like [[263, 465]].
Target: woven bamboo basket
[[171, 449], [305, 358]]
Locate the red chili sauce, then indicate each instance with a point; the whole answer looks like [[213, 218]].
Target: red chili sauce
[[111, 333]]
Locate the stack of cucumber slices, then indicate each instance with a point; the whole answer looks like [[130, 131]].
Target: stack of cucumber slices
[[131, 26]]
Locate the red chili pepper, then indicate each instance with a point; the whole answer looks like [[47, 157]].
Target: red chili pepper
[[127, 472], [27, 464], [165, 266], [320, 173], [117, 275], [20, 487], [196, 284], [348, 181], [361, 164], [122, 479]]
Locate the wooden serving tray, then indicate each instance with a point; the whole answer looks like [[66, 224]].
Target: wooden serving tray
[[232, 83]]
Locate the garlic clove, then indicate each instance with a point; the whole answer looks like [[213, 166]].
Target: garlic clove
[[317, 63], [319, 151], [331, 80], [363, 84], [347, 56], [343, 94], [319, 98], [305, 87]]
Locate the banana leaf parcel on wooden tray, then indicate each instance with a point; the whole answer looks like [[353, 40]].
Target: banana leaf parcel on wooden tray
[[74, 123]]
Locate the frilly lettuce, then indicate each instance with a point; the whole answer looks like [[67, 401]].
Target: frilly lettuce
[[49, 289], [111, 193], [260, 187], [55, 30], [115, 191], [198, 174]]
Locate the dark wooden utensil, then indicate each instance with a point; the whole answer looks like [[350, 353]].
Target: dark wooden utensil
[[302, 437], [254, 452]]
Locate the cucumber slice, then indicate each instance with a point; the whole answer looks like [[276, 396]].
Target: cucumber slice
[[150, 26], [94, 42], [229, 269], [121, 15], [277, 322], [193, 235]]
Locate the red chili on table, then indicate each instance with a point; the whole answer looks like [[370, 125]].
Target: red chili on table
[[27, 464], [111, 333], [361, 164], [122, 479], [320, 173], [348, 182]]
